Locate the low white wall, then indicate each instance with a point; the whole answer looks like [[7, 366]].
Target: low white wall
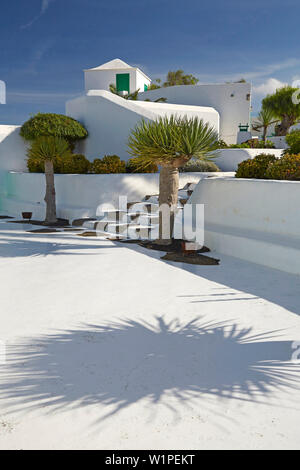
[[258, 220], [79, 195], [279, 142], [228, 159]]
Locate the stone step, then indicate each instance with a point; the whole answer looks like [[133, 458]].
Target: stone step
[[125, 228], [142, 206], [152, 199], [185, 193], [148, 219], [189, 186]]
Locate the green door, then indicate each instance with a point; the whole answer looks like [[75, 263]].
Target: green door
[[122, 82]]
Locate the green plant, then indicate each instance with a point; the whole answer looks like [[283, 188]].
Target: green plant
[[178, 77], [263, 121], [72, 163], [134, 95], [108, 164], [199, 165], [49, 149], [75, 163], [282, 105], [253, 144], [285, 168], [54, 125], [134, 165], [293, 141], [171, 142], [221, 144], [130, 96], [255, 167]]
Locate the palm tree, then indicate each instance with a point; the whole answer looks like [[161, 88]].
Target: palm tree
[[48, 149], [284, 107], [171, 142], [264, 120]]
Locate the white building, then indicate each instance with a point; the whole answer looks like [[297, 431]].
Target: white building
[[110, 118], [125, 78], [231, 100]]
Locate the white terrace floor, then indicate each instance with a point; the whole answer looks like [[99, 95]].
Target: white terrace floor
[[110, 347]]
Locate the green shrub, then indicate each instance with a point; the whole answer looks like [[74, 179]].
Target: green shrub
[[255, 167], [199, 165], [221, 144], [108, 164], [254, 144], [35, 165], [293, 141], [76, 163], [71, 164], [55, 125], [135, 166], [285, 168]]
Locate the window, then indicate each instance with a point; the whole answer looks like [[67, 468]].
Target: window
[[145, 87]]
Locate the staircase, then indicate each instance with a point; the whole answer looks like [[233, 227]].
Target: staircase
[[139, 221]]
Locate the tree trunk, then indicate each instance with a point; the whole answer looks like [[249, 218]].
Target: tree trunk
[[265, 133], [50, 194], [284, 126], [168, 198]]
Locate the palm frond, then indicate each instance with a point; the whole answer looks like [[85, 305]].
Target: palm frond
[[49, 148], [172, 138]]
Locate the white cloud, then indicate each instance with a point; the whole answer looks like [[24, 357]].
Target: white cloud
[[44, 7], [256, 73], [268, 87]]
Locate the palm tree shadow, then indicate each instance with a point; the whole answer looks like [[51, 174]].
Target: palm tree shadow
[[119, 364], [17, 247]]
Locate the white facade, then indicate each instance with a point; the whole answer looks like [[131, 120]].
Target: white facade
[[99, 78], [12, 149], [110, 118], [231, 100]]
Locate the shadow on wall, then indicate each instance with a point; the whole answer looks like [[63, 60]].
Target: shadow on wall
[[121, 363], [12, 149]]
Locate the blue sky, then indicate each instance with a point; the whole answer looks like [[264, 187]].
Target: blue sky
[[45, 44]]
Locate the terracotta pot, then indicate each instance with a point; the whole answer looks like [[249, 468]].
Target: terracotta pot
[[27, 215]]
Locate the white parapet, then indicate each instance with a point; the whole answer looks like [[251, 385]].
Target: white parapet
[[257, 220]]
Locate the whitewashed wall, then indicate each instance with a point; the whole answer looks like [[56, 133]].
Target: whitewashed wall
[[101, 79], [78, 195], [110, 118], [228, 159], [233, 110], [257, 220], [12, 149]]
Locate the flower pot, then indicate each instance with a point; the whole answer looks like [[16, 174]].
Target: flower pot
[[27, 215]]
